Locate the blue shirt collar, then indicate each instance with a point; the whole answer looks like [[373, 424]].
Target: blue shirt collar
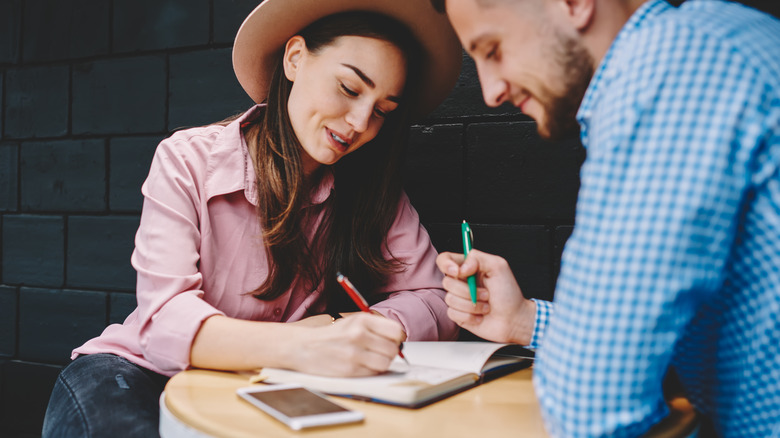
[[647, 11]]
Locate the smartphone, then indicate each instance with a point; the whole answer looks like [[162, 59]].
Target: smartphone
[[298, 407]]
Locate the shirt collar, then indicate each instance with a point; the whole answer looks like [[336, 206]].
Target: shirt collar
[[647, 11], [230, 168]]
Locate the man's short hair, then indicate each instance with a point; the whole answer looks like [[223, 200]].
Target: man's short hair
[[441, 5]]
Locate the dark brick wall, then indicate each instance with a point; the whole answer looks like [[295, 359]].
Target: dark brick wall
[[87, 90]]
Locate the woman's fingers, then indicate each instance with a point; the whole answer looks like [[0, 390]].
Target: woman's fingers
[[370, 342]]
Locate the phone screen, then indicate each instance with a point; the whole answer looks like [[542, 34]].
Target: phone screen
[[297, 402]]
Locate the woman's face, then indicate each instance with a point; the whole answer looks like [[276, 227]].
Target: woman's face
[[341, 94]]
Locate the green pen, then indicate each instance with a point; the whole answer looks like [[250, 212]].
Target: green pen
[[468, 238]]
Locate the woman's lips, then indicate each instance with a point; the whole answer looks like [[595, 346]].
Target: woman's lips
[[337, 145]]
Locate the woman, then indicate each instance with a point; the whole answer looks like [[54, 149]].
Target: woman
[[245, 223]]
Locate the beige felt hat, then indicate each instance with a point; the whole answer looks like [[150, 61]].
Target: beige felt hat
[[267, 28]]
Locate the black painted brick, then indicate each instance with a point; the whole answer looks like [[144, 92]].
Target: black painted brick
[[8, 300], [218, 93], [36, 102], [99, 250], [129, 163], [768, 6], [24, 402], [53, 322], [26, 390], [10, 20], [65, 29], [119, 96], [9, 163], [527, 249], [433, 173], [445, 236], [514, 176], [120, 305], [2, 111], [33, 250], [228, 16], [67, 175], [4, 422], [465, 100], [159, 24], [560, 236]]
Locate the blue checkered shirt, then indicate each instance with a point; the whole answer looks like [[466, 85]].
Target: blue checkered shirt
[[675, 256]]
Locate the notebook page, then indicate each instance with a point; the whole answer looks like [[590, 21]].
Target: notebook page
[[469, 356]]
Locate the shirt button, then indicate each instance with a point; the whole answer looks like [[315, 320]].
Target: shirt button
[[277, 311]]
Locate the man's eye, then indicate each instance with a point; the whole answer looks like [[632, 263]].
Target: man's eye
[[492, 53], [348, 90]]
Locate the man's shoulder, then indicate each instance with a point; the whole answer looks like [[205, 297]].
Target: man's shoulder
[[701, 28], [702, 44]]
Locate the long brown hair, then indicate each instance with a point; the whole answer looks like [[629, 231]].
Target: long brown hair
[[352, 235]]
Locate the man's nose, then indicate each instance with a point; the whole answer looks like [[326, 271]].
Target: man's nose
[[495, 90]]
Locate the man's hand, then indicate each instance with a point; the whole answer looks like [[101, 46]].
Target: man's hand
[[501, 314]]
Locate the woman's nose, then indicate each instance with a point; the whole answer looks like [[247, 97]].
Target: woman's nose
[[359, 116]]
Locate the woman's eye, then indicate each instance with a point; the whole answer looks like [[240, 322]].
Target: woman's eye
[[380, 113], [349, 91]]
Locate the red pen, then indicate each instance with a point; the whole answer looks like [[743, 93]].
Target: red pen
[[360, 301]]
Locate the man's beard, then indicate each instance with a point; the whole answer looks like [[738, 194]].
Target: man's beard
[[575, 67]]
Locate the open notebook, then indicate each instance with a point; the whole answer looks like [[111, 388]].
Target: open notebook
[[436, 370]]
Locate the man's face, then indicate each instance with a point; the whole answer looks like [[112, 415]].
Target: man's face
[[526, 55]]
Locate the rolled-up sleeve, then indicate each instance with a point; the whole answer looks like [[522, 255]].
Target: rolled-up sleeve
[[416, 297], [166, 257]]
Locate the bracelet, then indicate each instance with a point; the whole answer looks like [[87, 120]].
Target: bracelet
[[334, 316]]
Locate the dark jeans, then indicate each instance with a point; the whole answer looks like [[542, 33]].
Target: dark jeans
[[104, 395]]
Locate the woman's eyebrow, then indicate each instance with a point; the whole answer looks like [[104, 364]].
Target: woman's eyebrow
[[361, 75], [368, 81]]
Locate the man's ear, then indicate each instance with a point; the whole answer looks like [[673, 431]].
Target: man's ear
[[580, 13], [294, 50]]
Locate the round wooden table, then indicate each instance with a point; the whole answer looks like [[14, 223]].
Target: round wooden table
[[202, 403], [207, 402]]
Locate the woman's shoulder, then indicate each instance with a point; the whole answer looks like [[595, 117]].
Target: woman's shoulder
[[189, 154], [198, 141], [220, 139]]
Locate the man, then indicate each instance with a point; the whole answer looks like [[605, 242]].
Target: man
[[675, 257]]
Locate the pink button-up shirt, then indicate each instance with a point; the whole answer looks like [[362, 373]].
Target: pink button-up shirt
[[199, 250]]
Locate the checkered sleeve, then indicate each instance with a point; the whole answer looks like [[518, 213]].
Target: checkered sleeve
[[544, 311], [660, 193]]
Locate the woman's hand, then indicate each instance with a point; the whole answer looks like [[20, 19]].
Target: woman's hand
[[315, 321], [360, 344], [501, 314]]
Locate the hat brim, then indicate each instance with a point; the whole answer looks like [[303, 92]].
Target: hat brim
[[268, 27]]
